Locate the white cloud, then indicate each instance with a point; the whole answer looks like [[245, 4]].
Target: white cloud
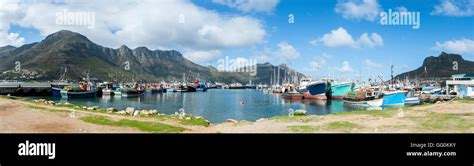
[[202, 56], [250, 5], [10, 11], [341, 38], [370, 42], [345, 67], [286, 51], [454, 8], [318, 62], [337, 38], [314, 42], [13, 39], [154, 24], [456, 46], [262, 58], [371, 64], [358, 9]]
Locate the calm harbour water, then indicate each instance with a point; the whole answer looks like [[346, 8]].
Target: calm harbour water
[[217, 105]]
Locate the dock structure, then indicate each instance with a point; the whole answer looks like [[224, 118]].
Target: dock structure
[[462, 84], [25, 88]]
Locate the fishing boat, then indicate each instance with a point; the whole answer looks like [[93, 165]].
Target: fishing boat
[[135, 91], [411, 99], [170, 90], [339, 90], [236, 86], [431, 89], [303, 83], [201, 86], [118, 92], [394, 98], [72, 94], [57, 87], [190, 88], [316, 87], [378, 102], [364, 97], [289, 92], [147, 92], [131, 92], [107, 89], [82, 91], [186, 88], [275, 89], [156, 90], [314, 90]]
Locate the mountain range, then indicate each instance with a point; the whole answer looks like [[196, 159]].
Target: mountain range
[[440, 67], [66, 49]]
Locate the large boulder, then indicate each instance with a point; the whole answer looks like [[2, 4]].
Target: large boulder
[[136, 113], [153, 112], [231, 121], [121, 112], [130, 110], [261, 120], [144, 112], [111, 109]]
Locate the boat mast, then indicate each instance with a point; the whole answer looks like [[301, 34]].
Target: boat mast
[[278, 75]]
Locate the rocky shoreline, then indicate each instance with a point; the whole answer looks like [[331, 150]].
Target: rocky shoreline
[[455, 116]]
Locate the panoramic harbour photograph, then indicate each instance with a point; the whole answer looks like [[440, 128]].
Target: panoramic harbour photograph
[[223, 66]]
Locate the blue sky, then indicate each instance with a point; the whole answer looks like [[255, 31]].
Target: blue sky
[[261, 30]]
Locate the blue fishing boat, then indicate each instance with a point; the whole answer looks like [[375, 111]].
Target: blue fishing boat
[[85, 94], [394, 98], [411, 99], [316, 88], [148, 92], [156, 91], [83, 90], [56, 88], [201, 87]]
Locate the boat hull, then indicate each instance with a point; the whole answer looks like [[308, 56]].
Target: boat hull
[[316, 88], [339, 90], [88, 94], [107, 92], [394, 98], [307, 95], [156, 91], [56, 89], [375, 102], [412, 101]]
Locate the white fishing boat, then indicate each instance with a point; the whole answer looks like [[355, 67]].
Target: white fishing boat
[[303, 83]]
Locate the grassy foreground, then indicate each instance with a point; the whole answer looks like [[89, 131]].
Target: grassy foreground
[[456, 116], [100, 116], [143, 126]]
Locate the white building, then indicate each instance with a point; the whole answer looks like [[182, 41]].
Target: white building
[[462, 84]]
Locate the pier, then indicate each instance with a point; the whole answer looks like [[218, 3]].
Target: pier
[[25, 88]]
